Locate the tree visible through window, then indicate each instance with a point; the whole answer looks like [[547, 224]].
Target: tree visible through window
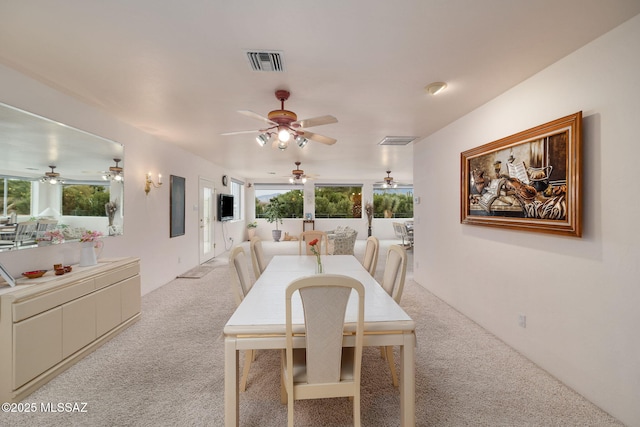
[[84, 199], [338, 201], [291, 198], [393, 202], [16, 196]]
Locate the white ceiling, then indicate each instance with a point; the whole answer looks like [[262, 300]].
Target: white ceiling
[[178, 70]]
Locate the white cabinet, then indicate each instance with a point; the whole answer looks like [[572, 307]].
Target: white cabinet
[[78, 324], [48, 324], [37, 345]]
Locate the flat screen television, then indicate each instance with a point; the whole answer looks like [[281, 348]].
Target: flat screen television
[[225, 207]]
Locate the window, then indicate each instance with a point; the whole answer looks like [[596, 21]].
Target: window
[[335, 201], [16, 196], [85, 199], [393, 202], [291, 198], [237, 191]]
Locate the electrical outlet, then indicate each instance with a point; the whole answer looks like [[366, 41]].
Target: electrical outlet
[[179, 260], [522, 320]]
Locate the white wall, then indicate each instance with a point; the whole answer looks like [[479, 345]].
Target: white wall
[[581, 296], [146, 224]]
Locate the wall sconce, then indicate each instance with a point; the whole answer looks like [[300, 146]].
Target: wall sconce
[[149, 182]]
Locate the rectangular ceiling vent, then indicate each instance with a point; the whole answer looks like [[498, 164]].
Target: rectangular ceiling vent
[[397, 140], [266, 60]]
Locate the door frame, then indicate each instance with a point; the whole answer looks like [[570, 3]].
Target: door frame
[[203, 220]]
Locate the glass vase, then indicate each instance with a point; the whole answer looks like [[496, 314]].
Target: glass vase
[[319, 267]]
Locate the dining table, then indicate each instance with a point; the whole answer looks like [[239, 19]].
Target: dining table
[[259, 323]]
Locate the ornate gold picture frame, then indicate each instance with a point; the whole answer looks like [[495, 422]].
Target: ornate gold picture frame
[[530, 181]]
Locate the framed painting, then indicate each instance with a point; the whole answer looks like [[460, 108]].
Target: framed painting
[[176, 201], [530, 181]]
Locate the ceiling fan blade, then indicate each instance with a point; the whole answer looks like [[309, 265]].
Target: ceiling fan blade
[[240, 132], [316, 121], [319, 138], [256, 116]]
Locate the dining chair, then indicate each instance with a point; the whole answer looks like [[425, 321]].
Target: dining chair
[[401, 232], [395, 271], [307, 236], [370, 260], [257, 256], [319, 366], [241, 285], [24, 234], [44, 225]]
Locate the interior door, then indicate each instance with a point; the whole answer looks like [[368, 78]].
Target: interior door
[[206, 217]]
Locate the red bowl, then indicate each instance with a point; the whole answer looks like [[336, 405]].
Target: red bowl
[[34, 274]]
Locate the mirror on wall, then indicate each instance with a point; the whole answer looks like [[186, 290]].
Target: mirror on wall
[[56, 182]]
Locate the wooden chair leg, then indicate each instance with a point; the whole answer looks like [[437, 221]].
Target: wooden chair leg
[[283, 387], [383, 352], [392, 365], [356, 411], [248, 357], [290, 410]]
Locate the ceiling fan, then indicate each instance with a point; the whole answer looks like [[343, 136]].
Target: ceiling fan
[[298, 176], [52, 177], [115, 173], [388, 182], [284, 125]]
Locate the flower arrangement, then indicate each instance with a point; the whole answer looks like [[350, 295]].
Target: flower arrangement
[[314, 249], [52, 236], [253, 224], [368, 208], [92, 236], [55, 236], [110, 209]]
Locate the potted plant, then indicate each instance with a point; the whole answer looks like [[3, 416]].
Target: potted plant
[[251, 229], [274, 212]]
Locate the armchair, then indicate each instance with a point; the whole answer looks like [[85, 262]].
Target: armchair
[[342, 241]]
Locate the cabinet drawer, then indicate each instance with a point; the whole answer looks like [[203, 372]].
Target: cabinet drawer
[[33, 306], [117, 276], [37, 345], [78, 324]]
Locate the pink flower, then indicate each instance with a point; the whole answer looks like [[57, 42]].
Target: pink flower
[[90, 236]]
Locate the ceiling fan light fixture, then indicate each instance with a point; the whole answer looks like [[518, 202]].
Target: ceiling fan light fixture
[[435, 87], [301, 141], [262, 139], [115, 172], [283, 134], [52, 177], [282, 145]]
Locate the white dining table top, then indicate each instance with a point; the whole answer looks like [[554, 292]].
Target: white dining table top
[[263, 309]]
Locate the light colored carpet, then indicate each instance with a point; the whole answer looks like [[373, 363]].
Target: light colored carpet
[[168, 370], [201, 270]]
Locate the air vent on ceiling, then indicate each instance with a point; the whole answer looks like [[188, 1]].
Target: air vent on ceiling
[[266, 60], [397, 140]]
